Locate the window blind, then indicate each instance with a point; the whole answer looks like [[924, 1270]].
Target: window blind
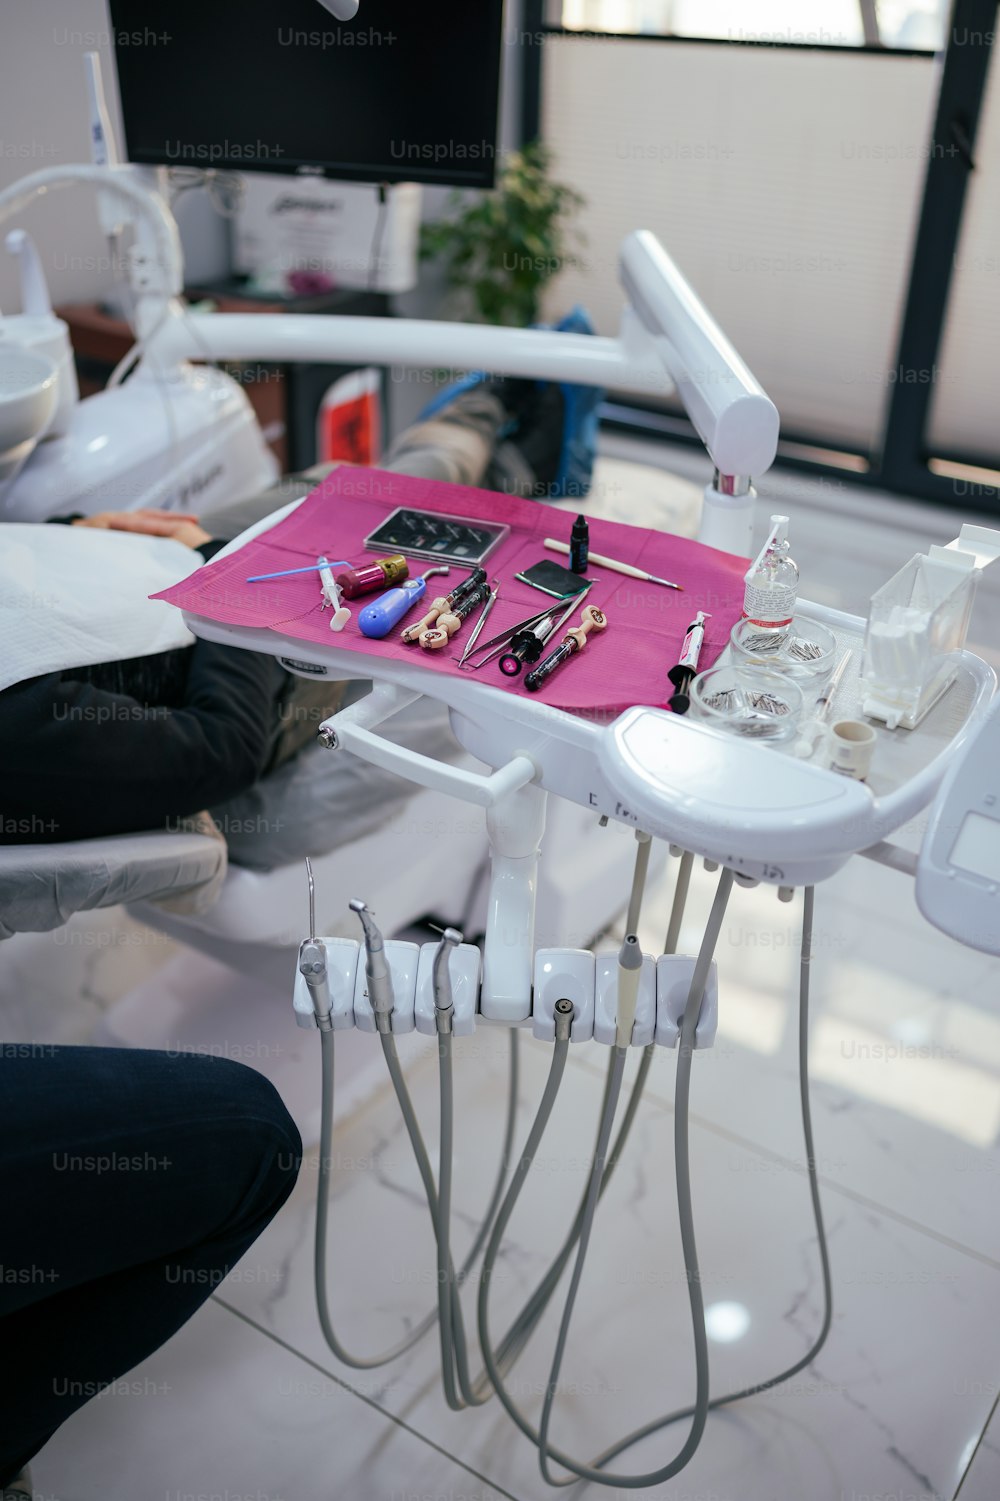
[[965, 410], [784, 182]]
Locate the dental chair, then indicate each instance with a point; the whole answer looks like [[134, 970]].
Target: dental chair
[[248, 923]]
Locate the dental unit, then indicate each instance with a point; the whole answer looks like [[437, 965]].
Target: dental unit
[[758, 810]]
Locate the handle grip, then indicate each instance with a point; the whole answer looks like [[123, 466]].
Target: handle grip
[[378, 618], [353, 729]]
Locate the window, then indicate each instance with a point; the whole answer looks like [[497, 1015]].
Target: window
[[912, 24]]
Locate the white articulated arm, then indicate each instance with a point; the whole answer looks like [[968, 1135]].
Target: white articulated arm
[[152, 214], [734, 417]]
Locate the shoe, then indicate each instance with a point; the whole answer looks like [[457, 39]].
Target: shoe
[[512, 393], [553, 425], [20, 1488]]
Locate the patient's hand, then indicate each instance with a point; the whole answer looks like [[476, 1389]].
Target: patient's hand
[[180, 526]]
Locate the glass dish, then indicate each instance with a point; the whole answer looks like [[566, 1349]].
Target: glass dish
[[808, 651], [750, 701]]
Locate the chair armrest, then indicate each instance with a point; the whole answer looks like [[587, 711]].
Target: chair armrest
[[43, 885]]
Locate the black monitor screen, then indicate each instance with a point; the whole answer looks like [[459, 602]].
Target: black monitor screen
[[406, 92]]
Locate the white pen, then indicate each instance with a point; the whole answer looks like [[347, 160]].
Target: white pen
[[616, 567]]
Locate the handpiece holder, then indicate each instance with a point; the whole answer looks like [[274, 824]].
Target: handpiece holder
[[515, 821]]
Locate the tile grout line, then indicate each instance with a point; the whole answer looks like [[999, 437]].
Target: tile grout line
[[972, 1457], [369, 1401], [827, 1183]]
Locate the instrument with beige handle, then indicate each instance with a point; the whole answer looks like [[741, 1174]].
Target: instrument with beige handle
[[574, 641], [629, 569]]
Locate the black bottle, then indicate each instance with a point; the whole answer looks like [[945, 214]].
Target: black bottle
[[579, 545]]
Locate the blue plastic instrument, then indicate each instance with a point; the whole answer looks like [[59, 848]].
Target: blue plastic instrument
[[378, 618]]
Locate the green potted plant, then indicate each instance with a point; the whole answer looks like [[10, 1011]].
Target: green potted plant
[[501, 247]]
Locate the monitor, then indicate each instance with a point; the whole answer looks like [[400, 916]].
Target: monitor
[[404, 92]]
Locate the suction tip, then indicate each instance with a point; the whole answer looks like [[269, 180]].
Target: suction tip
[[630, 954]]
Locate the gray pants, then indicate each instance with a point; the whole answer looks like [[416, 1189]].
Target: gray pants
[[318, 799]]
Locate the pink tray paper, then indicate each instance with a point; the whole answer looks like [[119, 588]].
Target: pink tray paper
[[625, 665]]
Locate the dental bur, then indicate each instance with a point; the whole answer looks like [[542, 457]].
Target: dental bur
[[377, 973]]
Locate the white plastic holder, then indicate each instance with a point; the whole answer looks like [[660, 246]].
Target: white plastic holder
[[674, 973], [464, 969], [606, 1001], [515, 822], [727, 520], [342, 970], [402, 959], [564, 974]]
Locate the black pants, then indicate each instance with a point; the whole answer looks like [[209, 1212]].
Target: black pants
[[130, 1182]]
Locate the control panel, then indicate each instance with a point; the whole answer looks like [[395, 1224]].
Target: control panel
[[958, 873]]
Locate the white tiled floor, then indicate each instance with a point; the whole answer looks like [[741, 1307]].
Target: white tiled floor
[[905, 1062]]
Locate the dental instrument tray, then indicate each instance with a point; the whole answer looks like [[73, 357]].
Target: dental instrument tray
[[432, 534], [594, 731], [342, 518]]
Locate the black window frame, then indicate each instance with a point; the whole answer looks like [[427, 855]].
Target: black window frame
[[902, 458]]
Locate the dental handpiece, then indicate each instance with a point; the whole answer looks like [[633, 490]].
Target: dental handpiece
[[574, 641], [377, 972], [444, 1005], [447, 625], [312, 962], [378, 618], [443, 604]]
